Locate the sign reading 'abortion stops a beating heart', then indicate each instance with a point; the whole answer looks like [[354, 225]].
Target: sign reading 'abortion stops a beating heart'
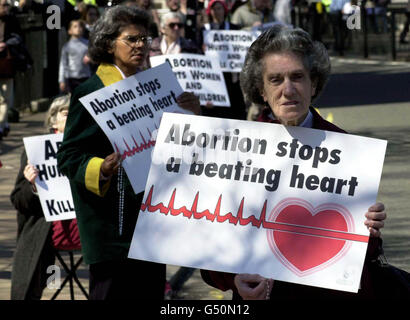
[[287, 203], [129, 112]]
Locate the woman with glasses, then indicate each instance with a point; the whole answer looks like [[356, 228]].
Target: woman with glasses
[[172, 41], [119, 43]]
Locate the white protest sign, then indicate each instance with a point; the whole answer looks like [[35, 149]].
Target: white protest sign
[[198, 74], [287, 203], [52, 186], [129, 111], [229, 47]]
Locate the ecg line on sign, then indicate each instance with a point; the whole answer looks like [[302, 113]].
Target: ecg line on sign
[[136, 148], [242, 221]]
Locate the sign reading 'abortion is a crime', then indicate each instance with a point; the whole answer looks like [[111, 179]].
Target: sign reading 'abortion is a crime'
[[287, 203]]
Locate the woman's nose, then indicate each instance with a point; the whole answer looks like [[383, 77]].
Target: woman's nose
[[288, 87]]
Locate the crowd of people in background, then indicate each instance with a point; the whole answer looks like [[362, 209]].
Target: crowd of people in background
[[317, 17], [167, 30]]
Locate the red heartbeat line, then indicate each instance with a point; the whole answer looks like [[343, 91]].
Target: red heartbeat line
[[129, 152], [232, 219]]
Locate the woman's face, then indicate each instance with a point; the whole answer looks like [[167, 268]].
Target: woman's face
[[287, 87], [61, 119], [172, 29], [218, 12], [173, 5], [4, 8], [129, 51], [144, 3], [92, 16]]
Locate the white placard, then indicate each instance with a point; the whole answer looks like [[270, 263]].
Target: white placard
[[198, 74], [287, 203], [52, 186], [129, 112], [229, 47]]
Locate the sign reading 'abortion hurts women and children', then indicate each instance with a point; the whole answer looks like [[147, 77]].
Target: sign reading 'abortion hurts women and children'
[[198, 74], [229, 47], [53, 187], [129, 113], [287, 203]]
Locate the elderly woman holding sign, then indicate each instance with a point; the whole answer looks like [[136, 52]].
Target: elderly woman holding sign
[[285, 70], [105, 203], [38, 239]]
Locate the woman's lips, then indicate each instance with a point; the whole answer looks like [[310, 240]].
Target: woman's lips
[[138, 55], [290, 103]]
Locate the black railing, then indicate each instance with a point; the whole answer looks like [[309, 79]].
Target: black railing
[[304, 16]]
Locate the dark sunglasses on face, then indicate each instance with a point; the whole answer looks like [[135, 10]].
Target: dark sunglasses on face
[[172, 25], [137, 39]]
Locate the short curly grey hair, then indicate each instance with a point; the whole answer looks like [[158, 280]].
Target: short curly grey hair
[[280, 38], [57, 105], [109, 26], [170, 15]]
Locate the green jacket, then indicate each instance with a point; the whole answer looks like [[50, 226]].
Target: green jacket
[[80, 156]]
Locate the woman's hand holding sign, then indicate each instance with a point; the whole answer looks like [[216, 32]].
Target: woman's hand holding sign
[[189, 101], [374, 219], [110, 165], [253, 286], [31, 173]]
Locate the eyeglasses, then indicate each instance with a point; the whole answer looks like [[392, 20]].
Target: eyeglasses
[[132, 40], [172, 25]]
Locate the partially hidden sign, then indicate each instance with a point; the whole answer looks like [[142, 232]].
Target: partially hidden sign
[[287, 203], [229, 47], [52, 186], [129, 112], [198, 74]]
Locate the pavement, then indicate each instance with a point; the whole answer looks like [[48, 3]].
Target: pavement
[[365, 97]]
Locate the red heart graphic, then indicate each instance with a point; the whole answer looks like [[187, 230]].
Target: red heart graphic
[[309, 249]]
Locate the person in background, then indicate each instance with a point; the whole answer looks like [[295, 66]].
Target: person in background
[[253, 14], [36, 238], [250, 16], [285, 71], [349, 8], [171, 41], [405, 30], [89, 17], [74, 63], [106, 205], [10, 37], [175, 6], [338, 25], [281, 11], [217, 13], [380, 12], [148, 5]]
